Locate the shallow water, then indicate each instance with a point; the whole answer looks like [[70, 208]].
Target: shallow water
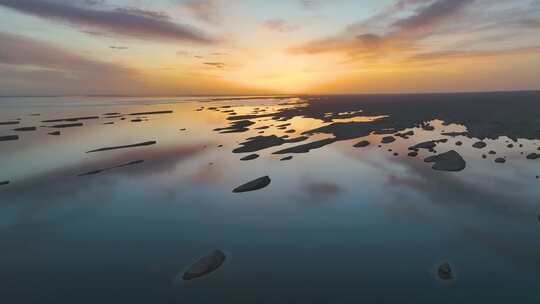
[[336, 225]]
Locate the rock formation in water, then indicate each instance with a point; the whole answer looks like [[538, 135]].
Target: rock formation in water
[[205, 265], [253, 185], [449, 161]]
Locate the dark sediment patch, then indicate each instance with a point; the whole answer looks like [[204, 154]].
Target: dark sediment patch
[[205, 265], [148, 143], [250, 157], [307, 147], [286, 158], [9, 137], [479, 145], [533, 156], [4, 183], [449, 161], [7, 123], [98, 171], [25, 129], [55, 133], [428, 144], [70, 125], [236, 127], [253, 185], [388, 139], [151, 113], [258, 143], [71, 119], [362, 144], [455, 134], [445, 272]]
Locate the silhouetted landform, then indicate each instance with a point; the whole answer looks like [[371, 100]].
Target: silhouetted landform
[[250, 157], [7, 123], [305, 148], [486, 115], [35, 114], [405, 135], [109, 123], [9, 137], [449, 161], [253, 185], [263, 142], [70, 125], [112, 114], [251, 98], [286, 158], [362, 144], [290, 131], [4, 183], [136, 120], [492, 152], [151, 113], [445, 272], [55, 133], [500, 160], [143, 144], [262, 128], [71, 119], [205, 265], [25, 129], [412, 154], [236, 127], [94, 172]]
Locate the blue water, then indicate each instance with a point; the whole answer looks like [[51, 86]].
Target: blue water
[[336, 225]]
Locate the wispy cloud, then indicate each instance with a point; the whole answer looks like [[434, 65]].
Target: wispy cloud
[[126, 22], [279, 25], [204, 10]]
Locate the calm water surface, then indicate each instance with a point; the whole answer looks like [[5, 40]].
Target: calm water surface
[[336, 225]]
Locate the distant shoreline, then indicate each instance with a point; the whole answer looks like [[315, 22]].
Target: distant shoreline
[[270, 95]]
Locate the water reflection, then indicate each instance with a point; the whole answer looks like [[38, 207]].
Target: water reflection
[[335, 219]]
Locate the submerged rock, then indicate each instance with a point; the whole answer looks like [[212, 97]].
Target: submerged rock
[[500, 160], [362, 144], [148, 143], [533, 156], [6, 123], [25, 129], [205, 265], [9, 137], [449, 161], [253, 185], [70, 125], [388, 139], [445, 272], [479, 145], [250, 157]]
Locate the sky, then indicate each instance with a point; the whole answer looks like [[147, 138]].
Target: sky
[[212, 47]]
